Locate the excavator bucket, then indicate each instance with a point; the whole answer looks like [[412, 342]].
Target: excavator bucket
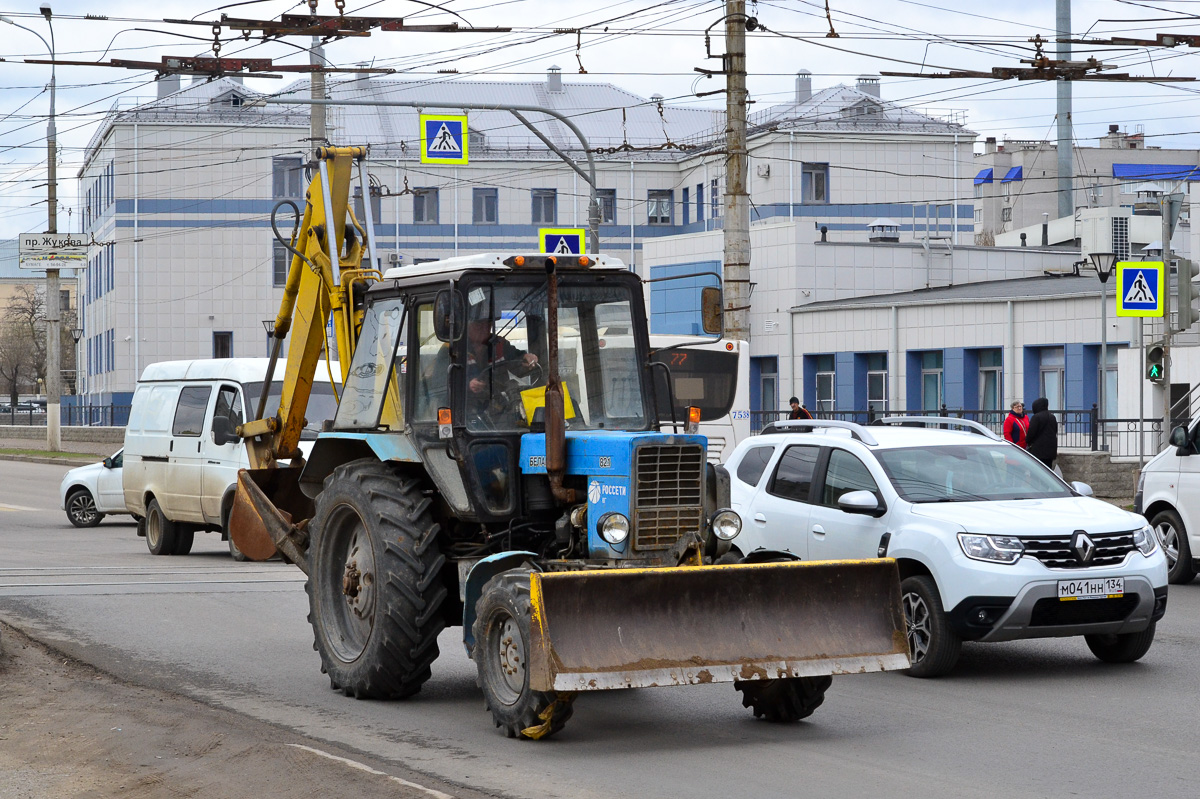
[[264, 509], [631, 628]]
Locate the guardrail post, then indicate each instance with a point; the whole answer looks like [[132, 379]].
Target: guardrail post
[[1094, 415], [944, 411]]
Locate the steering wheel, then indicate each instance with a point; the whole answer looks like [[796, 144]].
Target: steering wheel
[[505, 401]]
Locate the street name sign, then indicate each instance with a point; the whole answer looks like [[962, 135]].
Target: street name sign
[[52, 250], [561, 241], [1141, 288], [444, 139]]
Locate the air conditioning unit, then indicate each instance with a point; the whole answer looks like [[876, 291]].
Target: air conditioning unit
[[763, 170], [394, 258]]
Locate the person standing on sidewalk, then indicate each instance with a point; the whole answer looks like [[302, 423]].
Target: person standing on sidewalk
[[1016, 424], [1042, 436], [798, 410]]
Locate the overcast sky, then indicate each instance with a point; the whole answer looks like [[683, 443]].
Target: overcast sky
[[641, 45]]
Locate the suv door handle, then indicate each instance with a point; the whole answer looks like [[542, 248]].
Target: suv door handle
[[818, 531], [760, 518]]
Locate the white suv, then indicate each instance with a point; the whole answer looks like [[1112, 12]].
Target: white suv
[[990, 544], [1168, 494]]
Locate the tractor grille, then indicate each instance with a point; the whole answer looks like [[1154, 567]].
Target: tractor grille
[[1055, 551], [668, 487], [1051, 612]]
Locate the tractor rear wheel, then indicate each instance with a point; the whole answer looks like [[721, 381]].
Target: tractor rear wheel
[[501, 655], [786, 700], [374, 587]]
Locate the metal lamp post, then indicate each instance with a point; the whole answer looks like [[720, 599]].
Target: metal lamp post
[[1104, 263], [53, 304], [269, 326], [76, 334]]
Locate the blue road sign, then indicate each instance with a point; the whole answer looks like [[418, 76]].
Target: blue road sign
[[1141, 288], [561, 241], [444, 139]]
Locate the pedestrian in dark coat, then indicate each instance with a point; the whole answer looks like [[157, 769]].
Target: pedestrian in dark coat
[[1042, 438]]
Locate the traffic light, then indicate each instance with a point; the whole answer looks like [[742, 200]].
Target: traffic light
[[1187, 315], [1154, 363]]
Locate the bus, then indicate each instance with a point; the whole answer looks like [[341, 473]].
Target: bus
[[713, 375]]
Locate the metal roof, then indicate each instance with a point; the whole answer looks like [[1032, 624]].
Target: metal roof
[[1022, 288], [1156, 171], [845, 108]]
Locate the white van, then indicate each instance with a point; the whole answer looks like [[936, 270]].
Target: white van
[[1168, 495], [177, 478]]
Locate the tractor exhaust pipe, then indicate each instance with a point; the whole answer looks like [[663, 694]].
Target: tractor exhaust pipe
[[556, 425]]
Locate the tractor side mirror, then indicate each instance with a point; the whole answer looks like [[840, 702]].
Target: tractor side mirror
[[448, 315], [710, 310], [223, 432]]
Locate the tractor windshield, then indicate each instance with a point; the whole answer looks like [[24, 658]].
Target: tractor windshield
[[506, 356]]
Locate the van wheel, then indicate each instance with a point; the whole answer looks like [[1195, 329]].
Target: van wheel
[[1173, 537], [932, 645], [375, 586], [227, 534], [160, 531]]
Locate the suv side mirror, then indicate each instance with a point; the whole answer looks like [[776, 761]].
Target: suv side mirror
[[862, 502], [448, 315], [223, 432], [710, 310], [1083, 489]]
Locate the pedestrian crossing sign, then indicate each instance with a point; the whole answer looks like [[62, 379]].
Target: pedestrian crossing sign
[[561, 241], [1141, 288], [443, 139]]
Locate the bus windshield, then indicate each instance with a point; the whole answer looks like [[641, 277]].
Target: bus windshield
[[706, 379]]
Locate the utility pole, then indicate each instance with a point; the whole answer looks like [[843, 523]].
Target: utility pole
[[737, 199], [316, 114], [1165, 206], [53, 305], [1066, 150]]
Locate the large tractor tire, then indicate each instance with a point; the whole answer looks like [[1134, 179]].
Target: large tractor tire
[[501, 654], [374, 587], [785, 700]]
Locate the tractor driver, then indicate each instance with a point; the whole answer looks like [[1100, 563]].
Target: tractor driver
[[487, 351]]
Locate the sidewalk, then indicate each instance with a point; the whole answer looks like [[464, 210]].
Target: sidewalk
[[74, 452]]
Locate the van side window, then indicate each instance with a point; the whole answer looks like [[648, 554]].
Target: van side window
[[229, 405], [189, 413]]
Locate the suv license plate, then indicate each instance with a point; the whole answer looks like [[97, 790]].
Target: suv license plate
[[1104, 588]]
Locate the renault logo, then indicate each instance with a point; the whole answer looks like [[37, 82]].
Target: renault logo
[[1082, 546]]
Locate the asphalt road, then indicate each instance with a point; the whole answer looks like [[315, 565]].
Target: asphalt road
[[1036, 718]]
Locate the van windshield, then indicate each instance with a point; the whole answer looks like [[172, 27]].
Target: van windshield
[[322, 404]]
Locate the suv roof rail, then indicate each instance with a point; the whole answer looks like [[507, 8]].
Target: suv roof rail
[[968, 424], [790, 425]]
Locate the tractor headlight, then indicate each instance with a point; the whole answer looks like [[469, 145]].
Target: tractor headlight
[[726, 524], [1145, 540], [613, 528]]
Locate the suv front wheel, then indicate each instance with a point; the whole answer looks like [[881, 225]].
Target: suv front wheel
[[932, 645]]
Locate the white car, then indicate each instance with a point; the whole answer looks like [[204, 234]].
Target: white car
[[1168, 494], [91, 492], [991, 545]]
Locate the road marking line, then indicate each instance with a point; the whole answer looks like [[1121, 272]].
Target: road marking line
[[6, 506], [364, 767]]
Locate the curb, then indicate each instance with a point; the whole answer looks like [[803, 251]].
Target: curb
[[48, 461]]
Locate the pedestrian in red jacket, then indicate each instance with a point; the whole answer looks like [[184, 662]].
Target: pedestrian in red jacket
[[1016, 424]]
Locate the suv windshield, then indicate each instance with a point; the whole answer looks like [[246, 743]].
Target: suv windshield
[[967, 473]]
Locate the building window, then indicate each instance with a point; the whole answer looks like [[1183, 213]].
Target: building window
[[483, 206], [608, 206], [825, 383], [659, 204], [1052, 374], [287, 177], [545, 206], [978, 191], [877, 382], [978, 214], [279, 264], [686, 202], [376, 206], [1006, 214], [715, 198], [814, 183], [222, 344], [425, 206], [990, 364], [1109, 382], [931, 381], [1006, 190], [699, 202]]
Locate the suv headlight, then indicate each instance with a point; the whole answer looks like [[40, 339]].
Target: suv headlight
[[1145, 539], [726, 524], [991, 548]]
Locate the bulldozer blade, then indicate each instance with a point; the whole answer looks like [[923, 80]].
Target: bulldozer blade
[[632, 628], [264, 507]]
